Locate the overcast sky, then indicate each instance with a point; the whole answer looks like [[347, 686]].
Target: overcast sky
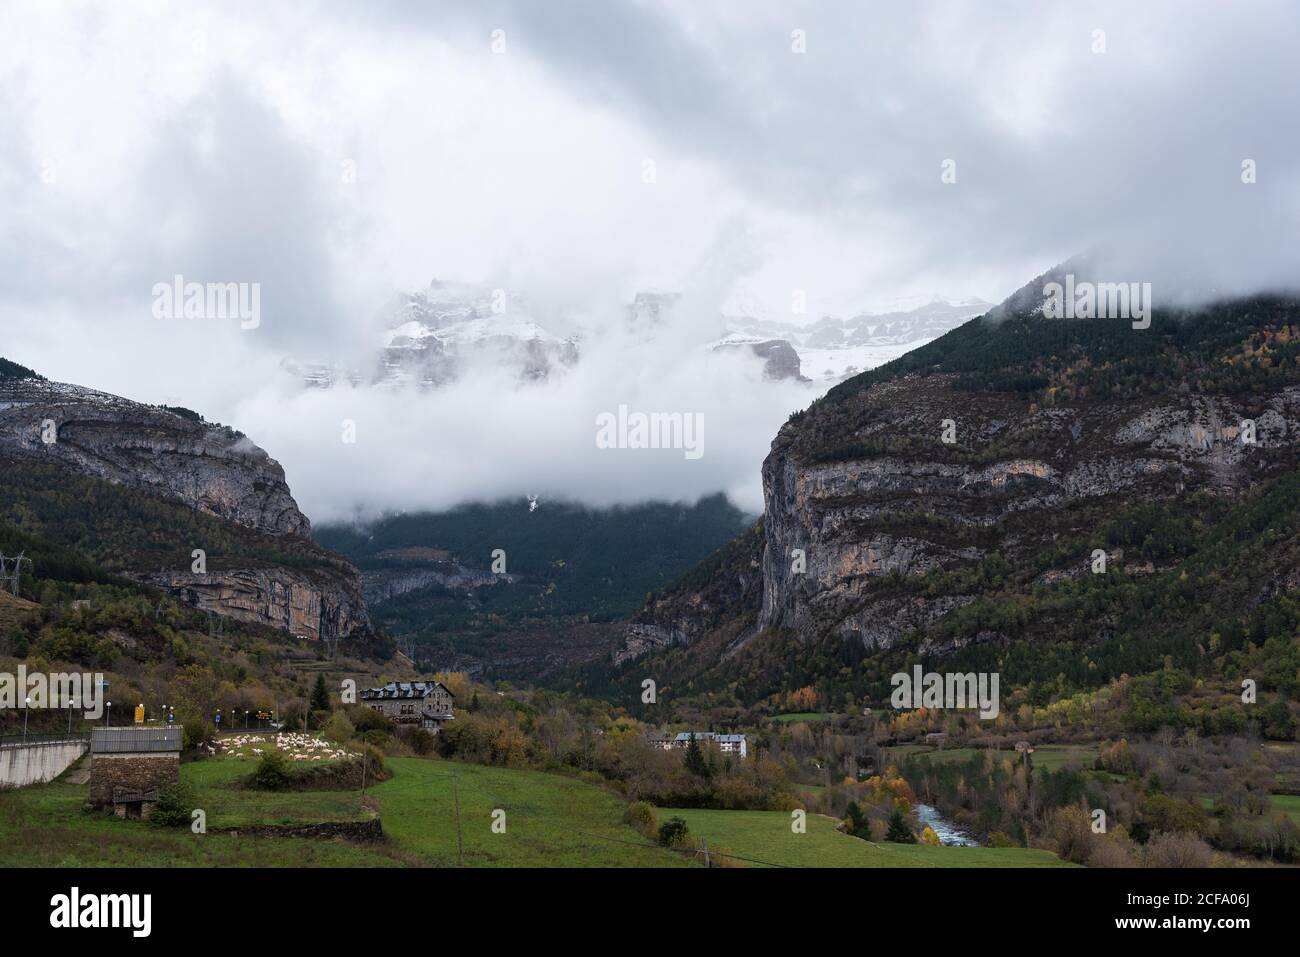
[[336, 152]]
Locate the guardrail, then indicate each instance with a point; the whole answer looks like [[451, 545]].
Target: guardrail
[[22, 740]]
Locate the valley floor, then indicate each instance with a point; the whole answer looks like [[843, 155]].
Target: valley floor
[[550, 820]]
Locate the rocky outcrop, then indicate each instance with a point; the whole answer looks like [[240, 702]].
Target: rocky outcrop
[[384, 584], [640, 639], [166, 452], [313, 604], [1034, 496], [269, 571], [868, 488], [780, 360]]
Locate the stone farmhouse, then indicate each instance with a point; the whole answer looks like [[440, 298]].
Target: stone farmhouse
[[128, 765], [425, 704]]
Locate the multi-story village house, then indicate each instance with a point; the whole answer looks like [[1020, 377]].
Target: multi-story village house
[[736, 744], [425, 704], [732, 744]]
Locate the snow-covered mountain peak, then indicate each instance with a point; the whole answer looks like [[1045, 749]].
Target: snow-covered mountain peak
[[435, 335]]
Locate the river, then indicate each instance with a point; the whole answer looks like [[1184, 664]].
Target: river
[[949, 834]]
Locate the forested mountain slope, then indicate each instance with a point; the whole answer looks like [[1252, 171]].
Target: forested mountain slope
[[957, 505]]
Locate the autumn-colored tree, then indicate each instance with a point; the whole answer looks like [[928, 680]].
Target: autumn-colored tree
[[804, 699], [458, 683]]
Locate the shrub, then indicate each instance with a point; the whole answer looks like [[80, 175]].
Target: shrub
[[272, 772], [1117, 757], [1111, 850], [928, 836], [1071, 832], [175, 802], [368, 719], [196, 732], [674, 832], [1159, 812], [373, 759], [338, 728], [1178, 850], [422, 742], [641, 816], [1277, 722]]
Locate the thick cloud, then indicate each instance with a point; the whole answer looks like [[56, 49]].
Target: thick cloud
[[336, 153]]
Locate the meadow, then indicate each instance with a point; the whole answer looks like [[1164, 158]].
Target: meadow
[[541, 820], [549, 820], [47, 825], [765, 838], [1046, 757]]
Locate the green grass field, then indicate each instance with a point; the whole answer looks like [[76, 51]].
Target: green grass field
[[550, 820], [229, 806], [46, 825], [1288, 804], [1047, 757], [766, 836]]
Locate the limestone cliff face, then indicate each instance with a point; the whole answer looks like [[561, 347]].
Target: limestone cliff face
[[867, 488], [208, 467], [955, 501], [312, 604], [385, 584], [273, 574]]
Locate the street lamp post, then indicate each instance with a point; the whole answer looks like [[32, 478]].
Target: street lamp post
[[27, 706], [108, 715]]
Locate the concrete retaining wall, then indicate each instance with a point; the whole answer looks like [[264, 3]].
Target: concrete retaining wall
[[21, 765]]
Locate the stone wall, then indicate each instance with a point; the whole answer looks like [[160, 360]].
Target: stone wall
[[370, 831], [136, 771]]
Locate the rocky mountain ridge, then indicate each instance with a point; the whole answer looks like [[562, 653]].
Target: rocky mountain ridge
[[952, 504], [163, 451], [261, 563]]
